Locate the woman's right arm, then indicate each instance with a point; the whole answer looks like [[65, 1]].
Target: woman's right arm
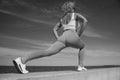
[[55, 29]]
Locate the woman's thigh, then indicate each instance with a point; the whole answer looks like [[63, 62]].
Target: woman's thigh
[[73, 40], [55, 48], [76, 44], [80, 44]]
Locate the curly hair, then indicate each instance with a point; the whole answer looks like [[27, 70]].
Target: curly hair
[[68, 6]]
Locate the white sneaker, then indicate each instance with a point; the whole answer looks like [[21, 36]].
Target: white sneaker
[[20, 66], [81, 68]]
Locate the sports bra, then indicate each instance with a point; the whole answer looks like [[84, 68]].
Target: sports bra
[[71, 24]]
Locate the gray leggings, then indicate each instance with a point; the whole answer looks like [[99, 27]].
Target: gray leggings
[[68, 39]]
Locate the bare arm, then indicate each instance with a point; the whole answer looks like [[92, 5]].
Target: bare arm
[[55, 29], [83, 26]]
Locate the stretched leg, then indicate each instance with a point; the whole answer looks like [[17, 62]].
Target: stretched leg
[[20, 62], [55, 48]]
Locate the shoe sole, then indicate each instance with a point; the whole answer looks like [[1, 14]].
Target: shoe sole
[[16, 66], [81, 70]]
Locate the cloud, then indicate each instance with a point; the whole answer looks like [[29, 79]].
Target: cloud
[[90, 52], [33, 44], [48, 11], [11, 52], [26, 18], [90, 32], [26, 4], [22, 3], [99, 53], [11, 42]]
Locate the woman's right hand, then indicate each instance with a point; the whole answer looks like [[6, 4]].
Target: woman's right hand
[[55, 29], [56, 36]]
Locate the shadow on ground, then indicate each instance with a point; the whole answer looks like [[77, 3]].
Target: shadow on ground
[[11, 69]]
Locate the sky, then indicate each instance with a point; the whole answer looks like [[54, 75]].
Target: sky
[[26, 26]]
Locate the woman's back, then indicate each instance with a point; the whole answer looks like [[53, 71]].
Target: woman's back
[[69, 21]]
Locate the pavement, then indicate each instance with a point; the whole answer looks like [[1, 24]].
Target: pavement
[[92, 74]]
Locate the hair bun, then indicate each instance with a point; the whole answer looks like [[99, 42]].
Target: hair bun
[[68, 6]]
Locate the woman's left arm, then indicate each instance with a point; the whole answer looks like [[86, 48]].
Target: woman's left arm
[[84, 24]]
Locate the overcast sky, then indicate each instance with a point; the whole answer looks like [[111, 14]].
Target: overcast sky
[[26, 25]]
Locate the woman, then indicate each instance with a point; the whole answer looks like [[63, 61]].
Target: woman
[[73, 25]]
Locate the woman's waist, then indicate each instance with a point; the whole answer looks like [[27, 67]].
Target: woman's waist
[[72, 30], [69, 27]]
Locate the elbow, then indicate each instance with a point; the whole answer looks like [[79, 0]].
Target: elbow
[[85, 20], [54, 29]]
